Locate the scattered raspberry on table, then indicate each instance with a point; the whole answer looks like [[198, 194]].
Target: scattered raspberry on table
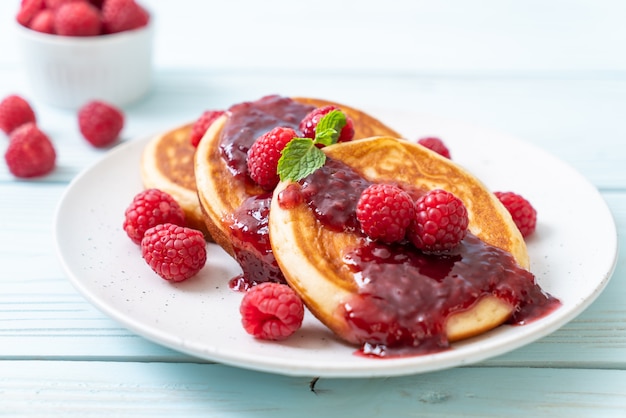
[[30, 152], [14, 112], [100, 123]]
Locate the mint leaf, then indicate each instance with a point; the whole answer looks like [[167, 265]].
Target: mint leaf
[[302, 157], [299, 159], [329, 126]]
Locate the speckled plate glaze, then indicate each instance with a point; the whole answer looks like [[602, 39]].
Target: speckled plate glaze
[[200, 317]]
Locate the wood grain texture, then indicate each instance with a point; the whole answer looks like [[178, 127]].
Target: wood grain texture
[[37, 389]]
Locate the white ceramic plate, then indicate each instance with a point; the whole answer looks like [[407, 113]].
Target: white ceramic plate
[[200, 316]]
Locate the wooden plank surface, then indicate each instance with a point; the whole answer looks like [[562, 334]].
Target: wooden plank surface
[[37, 389]]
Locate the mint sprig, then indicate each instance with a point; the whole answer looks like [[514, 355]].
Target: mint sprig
[[302, 157]]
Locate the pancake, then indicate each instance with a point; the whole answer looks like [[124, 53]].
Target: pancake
[[168, 164], [222, 188], [313, 256]]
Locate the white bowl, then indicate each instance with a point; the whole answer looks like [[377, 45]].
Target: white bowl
[[69, 71]]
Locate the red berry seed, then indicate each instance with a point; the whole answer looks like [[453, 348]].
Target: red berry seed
[[150, 208], [271, 311], [77, 19], [441, 221], [310, 121], [174, 252], [202, 124], [523, 213], [30, 152], [264, 154], [14, 112], [385, 212], [435, 144], [100, 123]]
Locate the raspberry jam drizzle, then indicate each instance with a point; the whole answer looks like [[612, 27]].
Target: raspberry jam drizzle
[[405, 296], [249, 120], [248, 224], [251, 243]]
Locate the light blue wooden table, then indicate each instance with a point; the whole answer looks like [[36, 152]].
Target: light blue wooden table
[[552, 73]]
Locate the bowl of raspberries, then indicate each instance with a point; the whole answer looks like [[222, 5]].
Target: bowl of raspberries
[[74, 51]]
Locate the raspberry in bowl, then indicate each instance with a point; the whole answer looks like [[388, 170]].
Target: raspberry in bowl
[[74, 51]]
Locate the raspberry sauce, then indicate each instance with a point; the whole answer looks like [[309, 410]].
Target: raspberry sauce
[[249, 120], [248, 225], [251, 243], [405, 295], [333, 193]]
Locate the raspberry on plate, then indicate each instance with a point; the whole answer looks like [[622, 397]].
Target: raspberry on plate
[[77, 19], [523, 213], [150, 208], [123, 15], [14, 112], [441, 221], [30, 152], [100, 123], [310, 121], [201, 125], [174, 252], [385, 212], [271, 311], [435, 144], [264, 154]]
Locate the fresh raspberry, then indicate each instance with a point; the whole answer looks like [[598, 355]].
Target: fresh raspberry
[[100, 123], [435, 144], [310, 121], [30, 152], [149, 208], [385, 212], [523, 213], [440, 221], [174, 252], [77, 19], [28, 10], [271, 311], [43, 22], [123, 15], [202, 124], [15, 111], [264, 154]]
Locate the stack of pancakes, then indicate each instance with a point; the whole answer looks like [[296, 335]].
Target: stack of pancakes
[[310, 256]]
